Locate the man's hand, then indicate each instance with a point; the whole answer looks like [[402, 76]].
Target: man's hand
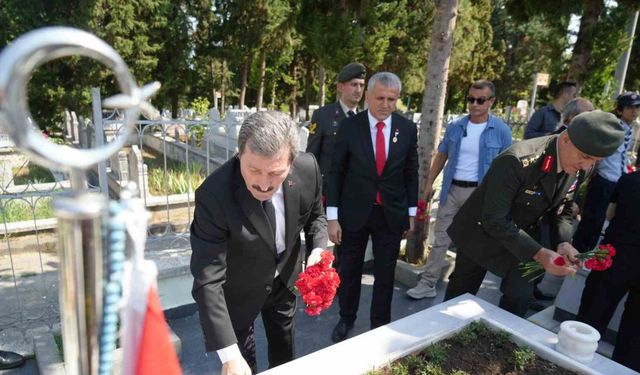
[[314, 257], [428, 191], [412, 227], [546, 257], [570, 252], [236, 366], [335, 232]]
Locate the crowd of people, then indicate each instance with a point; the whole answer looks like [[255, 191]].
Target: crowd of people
[[500, 205]]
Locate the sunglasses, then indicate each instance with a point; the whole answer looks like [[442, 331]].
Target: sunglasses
[[480, 101]]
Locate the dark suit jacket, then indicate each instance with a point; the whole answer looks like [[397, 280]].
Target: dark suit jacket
[[354, 180], [234, 259], [496, 225], [322, 133]]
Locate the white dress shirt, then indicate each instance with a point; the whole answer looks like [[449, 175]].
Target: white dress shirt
[[332, 212]]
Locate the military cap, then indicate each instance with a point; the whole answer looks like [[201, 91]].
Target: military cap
[[596, 133], [351, 71], [628, 99]]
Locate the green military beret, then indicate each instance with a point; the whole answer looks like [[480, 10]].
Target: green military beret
[[351, 71], [596, 133]]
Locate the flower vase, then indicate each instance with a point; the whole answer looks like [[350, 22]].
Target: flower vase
[[577, 340]]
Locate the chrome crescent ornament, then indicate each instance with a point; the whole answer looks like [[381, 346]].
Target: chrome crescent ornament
[[33, 49]]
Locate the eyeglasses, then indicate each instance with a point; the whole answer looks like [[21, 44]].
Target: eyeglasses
[[480, 101]]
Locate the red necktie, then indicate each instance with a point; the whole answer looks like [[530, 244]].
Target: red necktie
[[381, 156]]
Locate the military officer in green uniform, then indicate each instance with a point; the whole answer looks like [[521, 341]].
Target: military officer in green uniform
[[495, 229], [325, 120]]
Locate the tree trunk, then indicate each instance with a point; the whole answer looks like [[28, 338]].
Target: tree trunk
[[212, 72], [579, 67], [293, 104], [243, 84], [321, 77], [308, 84], [273, 96], [223, 87], [263, 68], [174, 104], [433, 101]]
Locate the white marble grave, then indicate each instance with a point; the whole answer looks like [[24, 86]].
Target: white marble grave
[[378, 347]]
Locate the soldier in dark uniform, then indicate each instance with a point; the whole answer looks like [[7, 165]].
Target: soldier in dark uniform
[[495, 229], [325, 120]]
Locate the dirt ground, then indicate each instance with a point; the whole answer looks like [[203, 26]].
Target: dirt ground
[[476, 350]]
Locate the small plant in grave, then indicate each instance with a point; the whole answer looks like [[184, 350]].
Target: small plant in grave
[[176, 181], [22, 210], [522, 357], [31, 173]]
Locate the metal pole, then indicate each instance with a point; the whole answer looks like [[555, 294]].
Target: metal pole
[[533, 96], [623, 63], [96, 106], [80, 219]]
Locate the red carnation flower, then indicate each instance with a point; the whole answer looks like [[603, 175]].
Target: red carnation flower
[[598, 259], [559, 261], [318, 284]]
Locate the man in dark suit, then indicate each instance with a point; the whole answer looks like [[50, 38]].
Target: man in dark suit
[[495, 228], [373, 191], [245, 238], [326, 120], [603, 290]]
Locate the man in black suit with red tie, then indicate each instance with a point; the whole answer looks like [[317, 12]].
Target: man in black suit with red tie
[[245, 238], [373, 191]]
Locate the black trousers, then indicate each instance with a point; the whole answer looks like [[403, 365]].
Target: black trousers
[[467, 277], [277, 317], [593, 213], [603, 291], [386, 246]]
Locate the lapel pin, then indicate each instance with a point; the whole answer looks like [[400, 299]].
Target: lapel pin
[[395, 136], [290, 183]]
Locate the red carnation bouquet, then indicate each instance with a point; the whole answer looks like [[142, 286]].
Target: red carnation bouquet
[[598, 259], [318, 284]]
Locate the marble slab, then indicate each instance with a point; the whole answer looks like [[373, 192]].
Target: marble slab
[[378, 347]]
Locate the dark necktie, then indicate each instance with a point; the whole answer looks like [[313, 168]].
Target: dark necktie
[[350, 113], [381, 156], [627, 140], [270, 210]]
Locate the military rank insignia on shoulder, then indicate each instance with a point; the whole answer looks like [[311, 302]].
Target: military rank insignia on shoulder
[[312, 128], [528, 160]]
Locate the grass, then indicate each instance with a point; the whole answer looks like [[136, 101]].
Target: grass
[[20, 210], [57, 337], [177, 180], [31, 173]]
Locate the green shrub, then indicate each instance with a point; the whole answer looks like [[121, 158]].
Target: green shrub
[[21, 210], [31, 174], [436, 353], [178, 180]]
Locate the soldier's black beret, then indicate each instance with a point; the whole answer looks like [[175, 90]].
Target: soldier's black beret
[[596, 133], [351, 71]]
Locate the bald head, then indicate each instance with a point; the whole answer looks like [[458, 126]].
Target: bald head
[[575, 107]]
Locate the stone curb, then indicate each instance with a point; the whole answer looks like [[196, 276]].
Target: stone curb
[[50, 362]]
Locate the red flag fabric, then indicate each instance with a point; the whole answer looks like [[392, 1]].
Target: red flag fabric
[[156, 355]]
